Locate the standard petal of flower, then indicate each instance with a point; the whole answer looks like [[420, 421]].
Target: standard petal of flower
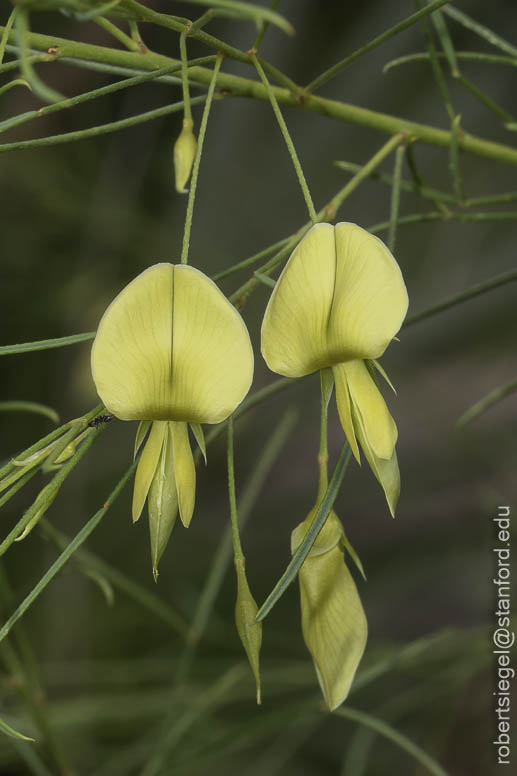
[[386, 470], [131, 354], [147, 466], [368, 404], [184, 470], [344, 408], [212, 354], [370, 300], [162, 502], [294, 329], [333, 623]]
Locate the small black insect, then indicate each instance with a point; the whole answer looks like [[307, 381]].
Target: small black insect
[[100, 419]]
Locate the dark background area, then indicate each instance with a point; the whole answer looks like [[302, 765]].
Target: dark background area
[[81, 220]]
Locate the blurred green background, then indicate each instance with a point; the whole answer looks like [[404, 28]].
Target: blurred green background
[[81, 220]]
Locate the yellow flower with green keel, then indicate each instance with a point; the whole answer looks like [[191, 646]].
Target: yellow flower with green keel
[[170, 351], [338, 303]]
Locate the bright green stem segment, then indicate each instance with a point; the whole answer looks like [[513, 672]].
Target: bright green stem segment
[[315, 527], [197, 160], [287, 137], [237, 547], [184, 76]]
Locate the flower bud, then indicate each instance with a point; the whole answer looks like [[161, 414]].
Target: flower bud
[[333, 621], [185, 149]]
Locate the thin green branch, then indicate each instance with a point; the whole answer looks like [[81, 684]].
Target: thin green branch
[[485, 100], [74, 545], [393, 735], [59, 342], [467, 56], [197, 161], [436, 67], [101, 129], [287, 137], [5, 34], [251, 260], [29, 406], [184, 76], [416, 218], [454, 159], [243, 87], [488, 401], [263, 27], [250, 11], [236, 539], [315, 527], [23, 36], [447, 45], [481, 30], [395, 197], [117, 33], [403, 25], [426, 192], [464, 296]]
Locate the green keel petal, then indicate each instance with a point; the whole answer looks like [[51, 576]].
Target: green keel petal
[[147, 466], [162, 502], [369, 406], [344, 408]]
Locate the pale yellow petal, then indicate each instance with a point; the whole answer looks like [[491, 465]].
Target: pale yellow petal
[[147, 467], [212, 354], [185, 149], [131, 354], [184, 470], [197, 430], [369, 405], [370, 299], [333, 623], [143, 428], [294, 329], [162, 502], [344, 408]]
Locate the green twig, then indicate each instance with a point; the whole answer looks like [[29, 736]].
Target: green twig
[[488, 401], [23, 34], [66, 554], [454, 159], [29, 406], [263, 27], [184, 76], [59, 342], [251, 260], [117, 33], [447, 45], [395, 197], [436, 67], [287, 137], [398, 738], [5, 34], [485, 100], [102, 129], [464, 296], [315, 527], [197, 160], [426, 192], [467, 56], [481, 30], [403, 25]]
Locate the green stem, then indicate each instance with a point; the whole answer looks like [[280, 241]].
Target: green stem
[[323, 452], [23, 34], [467, 56], [197, 160], [117, 33], [310, 537], [287, 137], [464, 296], [395, 197], [416, 188], [58, 564], [184, 76], [243, 87], [29, 406], [390, 733], [251, 260], [5, 34], [481, 30], [486, 402], [59, 342], [237, 548], [264, 26], [403, 25]]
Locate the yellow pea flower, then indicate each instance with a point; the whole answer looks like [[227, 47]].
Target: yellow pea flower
[[333, 621], [170, 350], [338, 303]]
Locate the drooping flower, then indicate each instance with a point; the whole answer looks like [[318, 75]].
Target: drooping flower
[[185, 149], [333, 621], [170, 351], [338, 303]]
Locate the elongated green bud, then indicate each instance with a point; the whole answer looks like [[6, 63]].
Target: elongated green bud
[[39, 512], [185, 149], [249, 631]]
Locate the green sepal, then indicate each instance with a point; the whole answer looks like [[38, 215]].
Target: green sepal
[[197, 430], [143, 428]]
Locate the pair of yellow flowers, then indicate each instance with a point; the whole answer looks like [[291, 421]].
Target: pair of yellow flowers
[[171, 351]]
